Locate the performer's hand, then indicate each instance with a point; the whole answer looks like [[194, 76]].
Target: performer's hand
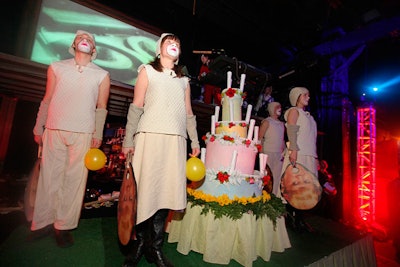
[[96, 143], [195, 152], [126, 150], [293, 157], [38, 139]]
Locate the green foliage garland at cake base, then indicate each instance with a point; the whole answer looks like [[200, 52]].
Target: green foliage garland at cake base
[[265, 205]]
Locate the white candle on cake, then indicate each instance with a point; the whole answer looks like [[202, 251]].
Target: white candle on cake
[[242, 78], [213, 124], [265, 163], [261, 163], [251, 129], [230, 109], [248, 113], [233, 162], [229, 79], [256, 129], [216, 113], [203, 155]]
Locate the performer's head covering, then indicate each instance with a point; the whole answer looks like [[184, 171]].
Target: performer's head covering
[[271, 107], [295, 93]]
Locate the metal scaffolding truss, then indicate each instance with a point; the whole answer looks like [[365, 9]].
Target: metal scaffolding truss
[[366, 162]]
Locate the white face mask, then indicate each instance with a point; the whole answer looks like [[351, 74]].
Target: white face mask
[[173, 50], [84, 46], [278, 112]]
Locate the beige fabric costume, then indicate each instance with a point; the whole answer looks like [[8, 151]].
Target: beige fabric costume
[[306, 141], [69, 127], [159, 161], [73, 105], [307, 135], [273, 145]]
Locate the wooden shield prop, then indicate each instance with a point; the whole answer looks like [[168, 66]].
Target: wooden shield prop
[[300, 187], [31, 186], [127, 204]]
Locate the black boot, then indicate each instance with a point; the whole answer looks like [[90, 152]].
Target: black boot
[[138, 248], [154, 252], [301, 224], [290, 217]]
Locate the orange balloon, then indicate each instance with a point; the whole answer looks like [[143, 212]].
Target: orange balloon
[[195, 169], [95, 159]]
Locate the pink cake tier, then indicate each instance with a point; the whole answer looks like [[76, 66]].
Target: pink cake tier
[[221, 147], [221, 177]]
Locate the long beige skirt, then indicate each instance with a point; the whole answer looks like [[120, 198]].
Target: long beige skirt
[[159, 165]]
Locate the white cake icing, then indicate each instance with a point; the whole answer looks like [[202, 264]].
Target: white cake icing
[[238, 186], [231, 152]]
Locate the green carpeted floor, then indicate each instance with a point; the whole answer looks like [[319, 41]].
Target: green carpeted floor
[[96, 245]]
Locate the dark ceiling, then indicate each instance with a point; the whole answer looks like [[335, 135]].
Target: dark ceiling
[[277, 36], [268, 34]]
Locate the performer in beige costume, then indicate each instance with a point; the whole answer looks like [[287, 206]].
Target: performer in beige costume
[[70, 120], [302, 134], [302, 131], [272, 137], [157, 123]]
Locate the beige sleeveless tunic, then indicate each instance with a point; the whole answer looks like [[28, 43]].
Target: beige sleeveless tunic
[[159, 161], [306, 141], [273, 145], [73, 105]]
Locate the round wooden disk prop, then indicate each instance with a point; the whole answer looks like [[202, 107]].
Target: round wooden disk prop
[[300, 187]]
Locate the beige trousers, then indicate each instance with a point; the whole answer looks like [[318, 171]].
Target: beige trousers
[[62, 180]]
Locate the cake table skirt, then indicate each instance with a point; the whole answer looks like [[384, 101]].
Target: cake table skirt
[[223, 239]]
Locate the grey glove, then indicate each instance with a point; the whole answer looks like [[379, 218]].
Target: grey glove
[[133, 118], [100, 119], [292, 136], [191, 127], [41, 118]]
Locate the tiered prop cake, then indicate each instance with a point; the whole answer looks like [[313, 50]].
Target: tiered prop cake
[[231, 150]]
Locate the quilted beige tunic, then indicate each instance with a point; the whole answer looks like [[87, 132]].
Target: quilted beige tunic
[[159, 162]]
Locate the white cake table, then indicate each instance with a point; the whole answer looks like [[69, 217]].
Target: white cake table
[[223, 239]]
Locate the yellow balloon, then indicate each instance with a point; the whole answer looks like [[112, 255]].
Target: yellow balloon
[[95, 159], [195, 169]]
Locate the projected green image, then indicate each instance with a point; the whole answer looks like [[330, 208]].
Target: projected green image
[[121, 47]]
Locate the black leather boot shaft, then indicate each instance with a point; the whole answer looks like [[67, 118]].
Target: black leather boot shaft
[[138, 248], [154, 252]]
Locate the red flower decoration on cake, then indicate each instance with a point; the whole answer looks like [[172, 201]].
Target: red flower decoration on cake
[[228, 138], [222, 177], [259, 147], [231, 124], [230, 92], [247, 142], [217, 124], [243, 124], [212, 138]]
